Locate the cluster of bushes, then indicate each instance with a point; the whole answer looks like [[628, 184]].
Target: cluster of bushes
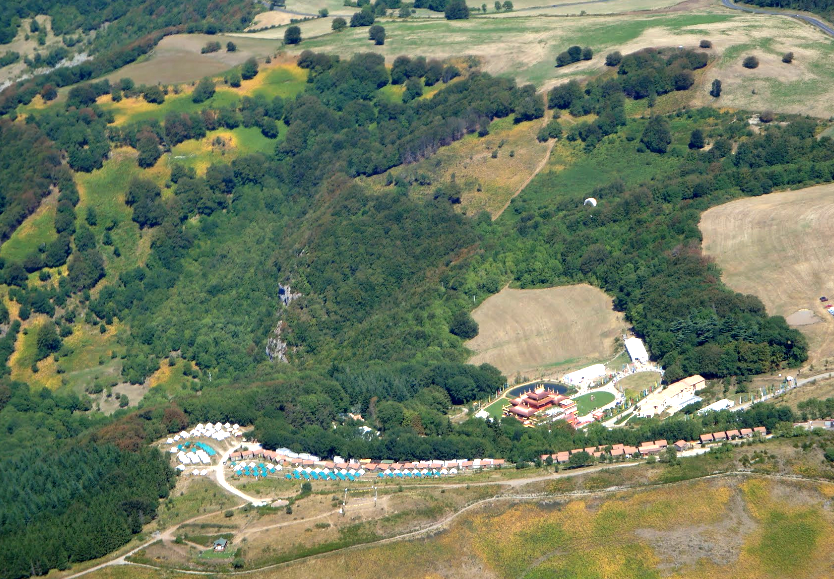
[[574, 54], [9, 57], [656, 72]]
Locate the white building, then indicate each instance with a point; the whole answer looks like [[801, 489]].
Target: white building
[[636, 350], [584, 376], [670, 399]]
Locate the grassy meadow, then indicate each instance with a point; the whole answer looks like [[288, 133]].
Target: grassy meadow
[[749, 528]]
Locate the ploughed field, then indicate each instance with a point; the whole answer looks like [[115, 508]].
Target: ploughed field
[[779, 247]]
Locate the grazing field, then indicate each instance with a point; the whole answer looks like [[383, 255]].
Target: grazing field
[[524, 46], [524, 330], [779, 248], [746, 528]]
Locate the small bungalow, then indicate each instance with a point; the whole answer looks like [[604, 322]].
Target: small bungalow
[[719, 436], [760, 430], [220, 545], [682, 445], [746, 432], [733, 434], [706, 438]]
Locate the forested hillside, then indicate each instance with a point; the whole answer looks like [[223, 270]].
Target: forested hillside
[[62, 498], [301, 280]]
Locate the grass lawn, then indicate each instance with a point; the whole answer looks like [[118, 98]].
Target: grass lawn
[[589, 402], [495, 409]]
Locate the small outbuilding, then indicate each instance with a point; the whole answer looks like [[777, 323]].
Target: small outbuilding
[[220, 545]]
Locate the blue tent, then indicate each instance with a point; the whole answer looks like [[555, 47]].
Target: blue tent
[[380, 475], [398, 474], [350, 477], [288, 475]]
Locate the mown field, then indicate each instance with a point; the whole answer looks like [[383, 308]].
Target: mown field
[[543, 330], [778, 247]]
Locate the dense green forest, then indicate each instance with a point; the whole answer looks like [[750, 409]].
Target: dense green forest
[[824, 8], [64, 497]]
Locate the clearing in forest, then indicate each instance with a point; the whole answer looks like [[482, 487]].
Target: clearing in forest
[[523, 330], [779, 248]]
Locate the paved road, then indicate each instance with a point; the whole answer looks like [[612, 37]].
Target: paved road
[[221, 480], [827, 29]]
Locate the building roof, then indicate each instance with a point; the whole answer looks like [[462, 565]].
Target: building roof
[[220, 542], [706, 437], [636, 350]]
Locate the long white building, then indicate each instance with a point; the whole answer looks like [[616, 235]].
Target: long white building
[[636, 350]]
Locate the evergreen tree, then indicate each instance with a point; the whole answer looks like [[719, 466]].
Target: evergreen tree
[[715, 91]]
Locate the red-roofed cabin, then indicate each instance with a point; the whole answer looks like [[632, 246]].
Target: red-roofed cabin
[[705, 438], [733, 434], [760, 430], [746, 432], [661, 443], [716, 436]]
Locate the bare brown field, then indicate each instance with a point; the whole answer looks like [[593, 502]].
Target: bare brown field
[[524, 330], [177, 58], [778, 247]]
